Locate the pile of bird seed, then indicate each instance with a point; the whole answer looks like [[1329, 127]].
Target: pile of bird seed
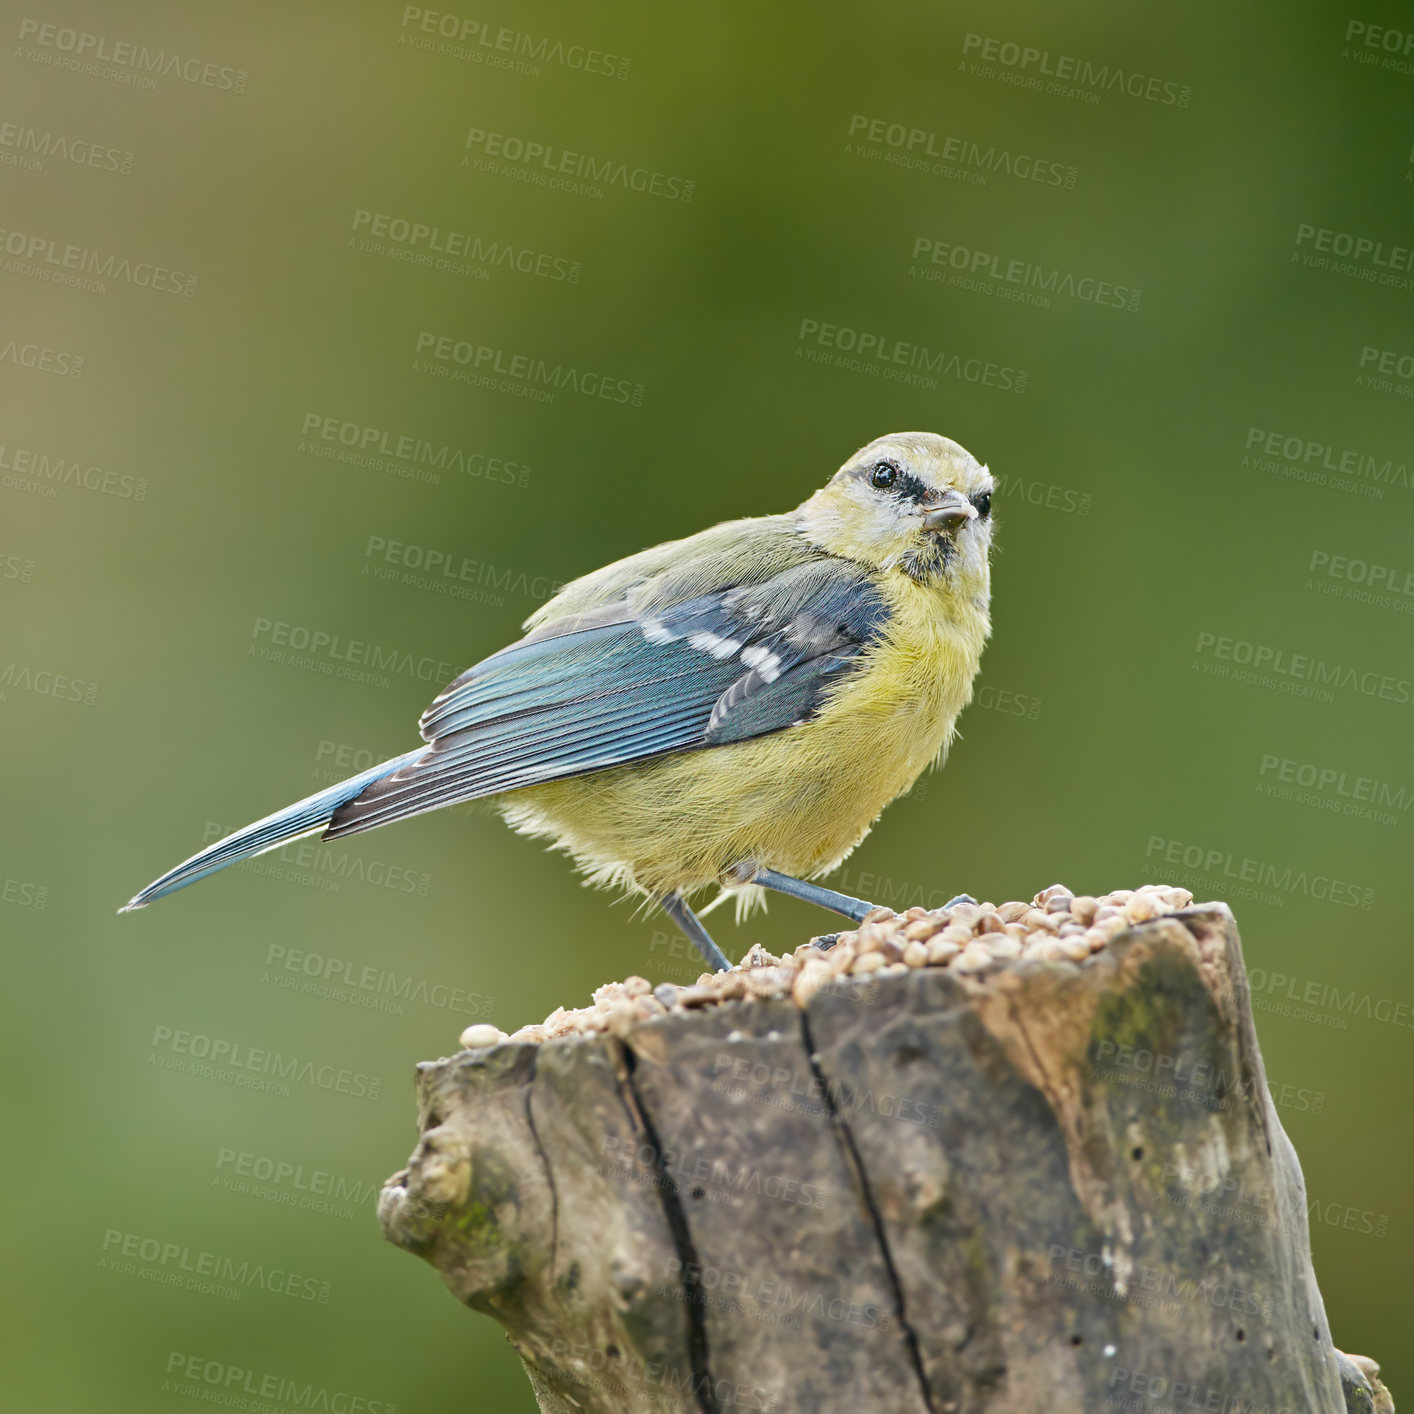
[[969, 938]]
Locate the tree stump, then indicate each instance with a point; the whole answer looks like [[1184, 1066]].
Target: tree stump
[[1061, 1188]]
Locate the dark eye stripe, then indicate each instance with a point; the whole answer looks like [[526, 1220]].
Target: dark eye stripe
[[910, 487]]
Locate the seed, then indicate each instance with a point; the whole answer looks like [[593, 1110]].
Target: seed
[[974, 957], [1083, 909], [483, 1034], [618, 1019], [871, 938], [810, 979], [1057, 926], [767, 981], [1141, 908], [756, 956]]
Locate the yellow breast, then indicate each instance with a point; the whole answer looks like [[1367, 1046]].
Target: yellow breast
[[796, 800], [912, 685]]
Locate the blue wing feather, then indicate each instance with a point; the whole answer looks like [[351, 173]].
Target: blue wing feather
[[634, 683], [304, 817]]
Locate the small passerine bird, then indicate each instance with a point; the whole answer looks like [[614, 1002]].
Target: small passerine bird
[[734, 709]]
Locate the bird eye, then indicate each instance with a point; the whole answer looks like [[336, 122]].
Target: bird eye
[[983, 504], [883, 476]]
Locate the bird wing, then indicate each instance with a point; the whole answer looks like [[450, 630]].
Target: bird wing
[[634, 678]]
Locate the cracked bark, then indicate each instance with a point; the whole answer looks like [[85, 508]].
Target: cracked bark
[[859, 1178], [550, 1181], [689, 1268], [924, 1195]]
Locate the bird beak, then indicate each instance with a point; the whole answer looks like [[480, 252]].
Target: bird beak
[[950, 515]]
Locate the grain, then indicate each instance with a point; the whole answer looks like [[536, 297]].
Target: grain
[[1055, 928]]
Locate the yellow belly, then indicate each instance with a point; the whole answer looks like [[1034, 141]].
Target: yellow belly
[[797, 800]]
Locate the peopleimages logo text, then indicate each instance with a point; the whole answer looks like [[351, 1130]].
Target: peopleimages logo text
[[82, 45], [584, 166], [872, 351], [1105, 78], [1264, 658]]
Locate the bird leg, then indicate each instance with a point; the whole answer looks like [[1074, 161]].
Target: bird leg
[[675, 906], [853, 908]]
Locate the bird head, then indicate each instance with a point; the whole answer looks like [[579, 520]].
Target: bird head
[[913, 502]]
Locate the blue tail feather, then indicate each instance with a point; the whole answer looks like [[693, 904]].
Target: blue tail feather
[[304, 817]]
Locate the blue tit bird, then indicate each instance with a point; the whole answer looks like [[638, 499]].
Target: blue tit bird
[[734, 709]]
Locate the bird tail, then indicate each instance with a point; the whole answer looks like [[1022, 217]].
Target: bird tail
[[304, 817]]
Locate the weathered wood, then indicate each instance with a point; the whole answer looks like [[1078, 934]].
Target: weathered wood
[[1064, 1188]]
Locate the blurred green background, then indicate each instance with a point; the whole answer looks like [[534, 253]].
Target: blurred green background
[[1146, 533]]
